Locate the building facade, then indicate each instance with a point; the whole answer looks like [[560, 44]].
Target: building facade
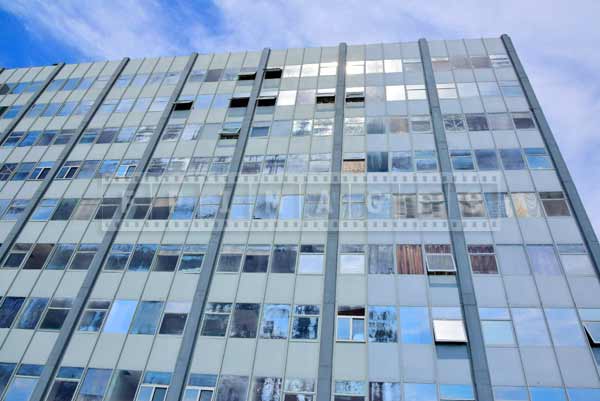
[[373, 222]]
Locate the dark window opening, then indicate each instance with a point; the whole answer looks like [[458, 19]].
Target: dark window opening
[[229, 135], [326, 99], [246, 76], [266, 101], [183, 106], [273, 73], [239, 102]]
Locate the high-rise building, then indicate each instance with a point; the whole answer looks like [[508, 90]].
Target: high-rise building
[[373, 222]]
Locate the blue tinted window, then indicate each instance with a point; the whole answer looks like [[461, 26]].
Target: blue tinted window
[[147, 317], [32, 313], [120, 316], [547, 394], [414, 325], [9, 310], [419, 392], [94, 384]]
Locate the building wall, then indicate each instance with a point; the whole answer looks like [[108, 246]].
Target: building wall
[[90, 310]]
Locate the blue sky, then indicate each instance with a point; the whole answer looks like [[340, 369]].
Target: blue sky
[[557, 41]]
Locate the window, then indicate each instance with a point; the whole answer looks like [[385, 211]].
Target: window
[[273, 73], [266, 207], [482, 259], [352, 259], [555, 204], [120, 316], [311, 259], [447, 91], [86, 209], [167, 258], [354, 126], [9, 310], [142, 257], [523, 120], [426, 160], [575, 259], [477, 122], [498, 204], [462, 160], [381, 259], [56, 313], [94, 384], [538, 159], [512, 159], [354, 206], [432, 206], [439, 258], [414, 325], [275, 321], [496, 326], [416, 92], [124, 385], [384, 391], [198, 166], [60, 258], [208, 207], [37, 257], [216, 319], [454, 123], [230, 258], [401, 162], [351, 323], [471, 205], [377, 162], [32, 313], [319, 162], [449, 331], [154, 386], [349, 391], [15, 209], [409, 259], [301, 127], [305, 323], [66, 382], [16, 255], [245, 320], [44, 210], [382, 324], [257, 259], [405, 206], [174, 318], [354, 163], [500, 121], [323, 127], [232, 388], [24, 383], [94, 315], [526, 204], [192, 258], [486, 159], [355, 97]]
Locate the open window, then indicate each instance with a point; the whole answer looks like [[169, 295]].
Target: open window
[[449, 331], [273, 73], [354, 163], [355, 96], [325, 96], [183, 105], [239, 102], [266, 101], [439, 259], [246, 76]]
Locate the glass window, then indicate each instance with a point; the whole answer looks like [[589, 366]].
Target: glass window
[[555, 204], [454, 123], [471, 205], [486, 159], [9, 310], [232, 388], [414, 325], [395, 93], [384, 391], [120, 316], [56, 313], [94, 315], [94, 384], [523, 120], [216, 319], [449, 331], [192, 258], [462, 160], [267, 388], [526, 204], [37, 257], [174, 318], [311, 260], [538, 159], [497, 333], [432, 206], [498, 205], [482, 259], [352, 259], [382, 324], [391, 66], [167, 258], [305, 324], [351, 323], [513, 260], [124, 385], [245, 320], [275, 321], [284, 259], [257, 259], [512, 159], [477, 122], [381, 259]]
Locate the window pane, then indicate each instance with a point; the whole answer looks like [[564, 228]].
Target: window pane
[[543, 260], [530, 327], [275, 321], [245, 320], [414, 325], [147, 317], [120, 316], [382, 324], [94, 384]]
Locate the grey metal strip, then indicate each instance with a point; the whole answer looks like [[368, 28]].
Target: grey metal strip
[[328, 317], [585, 225], [186, 350], [11, 126], [39, 193], [479, 365], [90, 278]]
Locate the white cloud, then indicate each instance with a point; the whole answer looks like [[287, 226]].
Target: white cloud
[[557, 43]]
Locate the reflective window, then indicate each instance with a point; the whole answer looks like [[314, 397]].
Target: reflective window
[[275, 321], [382, 324]]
